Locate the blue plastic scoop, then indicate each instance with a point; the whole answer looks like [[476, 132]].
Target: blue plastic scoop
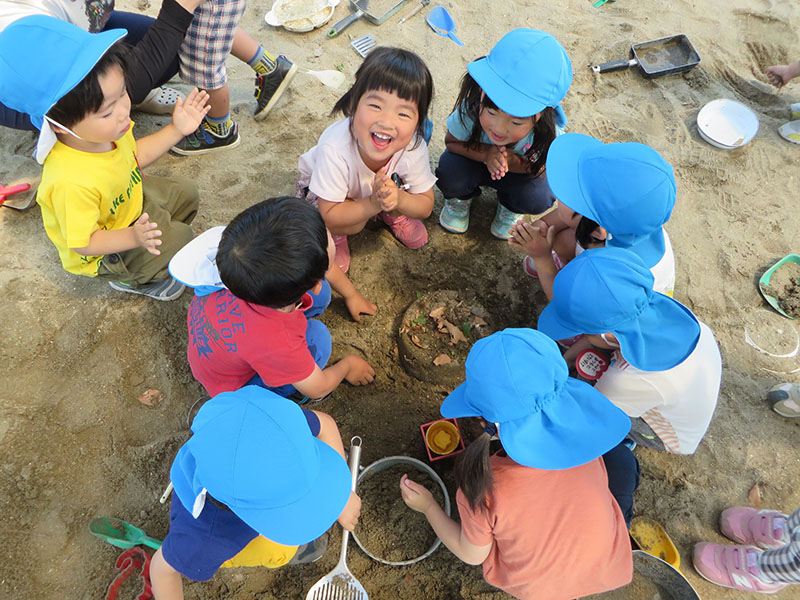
[[442, 23]]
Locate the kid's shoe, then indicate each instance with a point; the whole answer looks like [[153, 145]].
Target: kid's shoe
[[763, 528], [169, 289], [271, 86], [795, 110], [203, 141], [160, 101], [410, 232], [342, 257], [503, 220], [311, 552], [455, 215], [734, 567], [790, 131], [529, 265], [785, 399]]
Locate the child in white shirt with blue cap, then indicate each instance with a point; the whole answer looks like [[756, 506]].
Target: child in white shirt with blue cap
[[667, 367], [627, 189]]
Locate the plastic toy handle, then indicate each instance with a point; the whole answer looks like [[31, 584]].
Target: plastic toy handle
[[453, 37], [151, 542], [344, 24], [615, 65]]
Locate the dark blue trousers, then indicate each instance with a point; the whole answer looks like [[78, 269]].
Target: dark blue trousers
[[461, 177], [623, 478]]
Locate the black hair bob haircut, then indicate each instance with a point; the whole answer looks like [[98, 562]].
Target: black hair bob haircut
[[472, 100], [392, 70], [87, 97], [274, 252]]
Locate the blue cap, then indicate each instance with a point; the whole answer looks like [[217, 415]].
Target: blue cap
[[42, 58], [547, 420], [253, 451], [628, 189], [525, 72], [611, 290]]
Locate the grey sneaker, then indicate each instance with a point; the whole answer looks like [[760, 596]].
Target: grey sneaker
[[169, 289], [271, 86], [311, 552]]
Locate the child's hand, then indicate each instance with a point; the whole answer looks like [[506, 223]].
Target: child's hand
[[358, 370], [352, 510], [147, 234], [417, 497], [357, 305], [497, 162], [780, 75], [189, 113], [534, 240], [384, 191]]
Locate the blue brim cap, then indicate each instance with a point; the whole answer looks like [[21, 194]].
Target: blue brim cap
[[525, 72], [609, 290], [253, 451], [626, 188], [650, 248], [577, 427], [547, 420], [42, 58]]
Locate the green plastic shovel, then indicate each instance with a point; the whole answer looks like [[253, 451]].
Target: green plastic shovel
[[120, 533]]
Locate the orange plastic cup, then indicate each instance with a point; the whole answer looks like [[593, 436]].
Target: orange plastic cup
[[442, 437]]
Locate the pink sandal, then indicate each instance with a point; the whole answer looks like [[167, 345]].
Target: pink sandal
[[762, 528]]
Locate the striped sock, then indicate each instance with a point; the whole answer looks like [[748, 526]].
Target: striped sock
[[263, 62], [219, 127]]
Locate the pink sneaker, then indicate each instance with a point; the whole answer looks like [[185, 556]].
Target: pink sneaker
[[733, 567], [762, 528], [342, 257], [410, 232], [529, 266]]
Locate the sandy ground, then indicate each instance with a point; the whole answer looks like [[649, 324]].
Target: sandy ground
[[77, 444]]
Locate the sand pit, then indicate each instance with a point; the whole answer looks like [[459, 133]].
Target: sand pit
[[76, 443]]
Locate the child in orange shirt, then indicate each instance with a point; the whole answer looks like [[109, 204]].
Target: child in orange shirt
[[543, 506]]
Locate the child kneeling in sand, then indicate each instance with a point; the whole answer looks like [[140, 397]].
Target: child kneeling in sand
[[627, 189], [258, 282], [258, 484], [106, 220], [545, 504], [374, 162], [667, 368]]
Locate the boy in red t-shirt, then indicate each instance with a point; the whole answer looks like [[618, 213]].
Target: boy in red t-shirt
[[258, 283]]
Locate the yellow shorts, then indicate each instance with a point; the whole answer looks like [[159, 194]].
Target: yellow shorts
[[262, 552]]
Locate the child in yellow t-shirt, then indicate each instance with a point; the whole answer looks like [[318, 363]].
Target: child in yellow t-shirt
[[104, 218]]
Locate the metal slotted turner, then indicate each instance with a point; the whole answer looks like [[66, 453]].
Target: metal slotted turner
[[340, 584], [364, 45]]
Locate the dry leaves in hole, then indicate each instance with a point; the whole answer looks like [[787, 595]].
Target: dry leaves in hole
[[437, 313], [478, 322], [754, 496], [151, 398], [456, 335], [416, 342], [442, 359]]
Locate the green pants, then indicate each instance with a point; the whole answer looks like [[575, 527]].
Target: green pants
[[171, 203]]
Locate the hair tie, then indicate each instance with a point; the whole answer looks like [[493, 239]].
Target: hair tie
[[490, 428]]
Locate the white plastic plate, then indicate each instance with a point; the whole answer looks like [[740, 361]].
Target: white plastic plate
[[727, 124]]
